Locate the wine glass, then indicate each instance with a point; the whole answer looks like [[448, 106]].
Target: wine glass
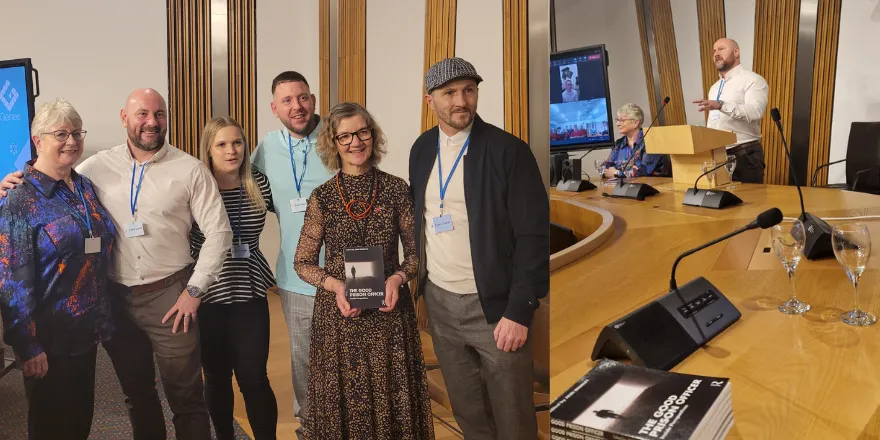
[[788, 244], [852, 247], [600, 168], [708, 165], [731, 165]]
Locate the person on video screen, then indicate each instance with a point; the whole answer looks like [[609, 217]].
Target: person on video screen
[[569, 94]]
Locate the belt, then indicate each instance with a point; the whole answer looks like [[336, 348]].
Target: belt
[[740, 147], [161, 284]]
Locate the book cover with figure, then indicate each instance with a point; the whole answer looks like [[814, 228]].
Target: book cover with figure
[[365, 277]]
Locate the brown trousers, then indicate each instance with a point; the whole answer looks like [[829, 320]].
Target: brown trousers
[[490, 390], [139, 335]]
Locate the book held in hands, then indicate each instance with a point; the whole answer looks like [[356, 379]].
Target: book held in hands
[[365, 277], [620, 401]]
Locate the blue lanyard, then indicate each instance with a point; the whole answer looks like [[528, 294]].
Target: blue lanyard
[[720, 88], [443, 187], [236, 227], [131, 191], [298, 181], [88, 221]]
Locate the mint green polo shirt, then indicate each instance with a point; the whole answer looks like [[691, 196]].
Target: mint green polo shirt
[[272, 158]]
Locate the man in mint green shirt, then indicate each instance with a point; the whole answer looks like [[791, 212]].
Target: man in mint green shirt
[[287, 157]]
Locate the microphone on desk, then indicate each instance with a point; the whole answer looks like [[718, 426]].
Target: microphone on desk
[[817, 243], [664, 332], [636, 191], [712, 198], [575, 184]]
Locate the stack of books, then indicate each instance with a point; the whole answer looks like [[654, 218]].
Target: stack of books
[[620, 401]]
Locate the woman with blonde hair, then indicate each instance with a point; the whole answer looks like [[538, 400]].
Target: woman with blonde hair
[[366, 373], [234, 314]]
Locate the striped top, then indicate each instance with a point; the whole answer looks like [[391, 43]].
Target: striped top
[[241, 279]]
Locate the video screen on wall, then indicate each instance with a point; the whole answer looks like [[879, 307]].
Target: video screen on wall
[[580, 105], [16, 112]]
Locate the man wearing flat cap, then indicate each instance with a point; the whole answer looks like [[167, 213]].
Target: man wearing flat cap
[[484, 250]]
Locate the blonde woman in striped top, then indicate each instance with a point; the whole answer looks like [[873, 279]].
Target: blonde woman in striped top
[[234, 315]]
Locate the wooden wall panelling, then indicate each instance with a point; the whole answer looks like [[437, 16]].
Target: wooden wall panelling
[[189, 72], [243, 66], [516, 68], [646, 58], [440, 18], [353, 51], [324, 57], [824, 73], [710, 19], [776, 27], [667, 62]]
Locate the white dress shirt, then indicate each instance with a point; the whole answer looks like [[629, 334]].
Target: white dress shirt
[[176, 189], [744, 100], [449, 253]]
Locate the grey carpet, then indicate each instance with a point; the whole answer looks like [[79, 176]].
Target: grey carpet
[[111, 418]]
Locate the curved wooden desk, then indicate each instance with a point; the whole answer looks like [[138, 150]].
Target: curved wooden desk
[[793, 377]]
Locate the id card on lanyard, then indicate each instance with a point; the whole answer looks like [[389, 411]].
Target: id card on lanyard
[[239, 249], [300, 203], [92, 244], [443, 223], [135, 228]]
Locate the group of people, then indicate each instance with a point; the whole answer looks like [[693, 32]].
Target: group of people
[[579, 130], [169, 268], [739, 104]]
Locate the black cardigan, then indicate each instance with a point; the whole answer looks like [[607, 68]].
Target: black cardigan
[[509, 217]]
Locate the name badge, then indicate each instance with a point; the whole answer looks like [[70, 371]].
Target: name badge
[[241, 250], [714, 115], [442, 224], [93, 245], [134, 229], [299, 205]]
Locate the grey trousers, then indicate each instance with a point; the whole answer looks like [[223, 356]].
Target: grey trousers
[[490, 390], [298, 310], [139, 335]]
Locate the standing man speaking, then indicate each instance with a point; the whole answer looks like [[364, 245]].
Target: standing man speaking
[[740, 99]]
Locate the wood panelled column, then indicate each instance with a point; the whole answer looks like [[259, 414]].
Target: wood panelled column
[[824, 72], [243, 66], [660, 39], [353, 51], [189, 72], [440, 18], [776, 31], [516, 68], [710, 19]]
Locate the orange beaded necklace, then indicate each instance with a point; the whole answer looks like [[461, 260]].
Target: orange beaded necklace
[[351, 204]]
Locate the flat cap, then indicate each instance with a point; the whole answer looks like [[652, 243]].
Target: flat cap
[[447, 70]]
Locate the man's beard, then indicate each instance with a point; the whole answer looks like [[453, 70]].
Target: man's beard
[[458, 125], [307, 130], [135, 139], [725, 65]]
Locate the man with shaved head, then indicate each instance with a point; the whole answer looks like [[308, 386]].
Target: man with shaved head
[[740, 99], [153, 192]]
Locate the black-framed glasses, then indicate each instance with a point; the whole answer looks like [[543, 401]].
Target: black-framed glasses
[[363, 134], [61, 135]]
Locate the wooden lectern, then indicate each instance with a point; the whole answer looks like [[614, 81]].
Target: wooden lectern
[[688, 146]]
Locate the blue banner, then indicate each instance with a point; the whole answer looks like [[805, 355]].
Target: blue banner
[[15, 131]]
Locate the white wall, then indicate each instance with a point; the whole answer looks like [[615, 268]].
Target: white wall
[[739, 16], [687, 41], [479, 39], [394, 95], [857, 90], [88, 53], [287, 39]]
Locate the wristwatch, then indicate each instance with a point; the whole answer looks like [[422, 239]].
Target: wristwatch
[[194, 291]]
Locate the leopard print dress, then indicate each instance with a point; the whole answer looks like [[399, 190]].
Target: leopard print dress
[[366, 374]]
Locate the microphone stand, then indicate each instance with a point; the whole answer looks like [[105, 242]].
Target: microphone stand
[[711, 198], [575, 184]]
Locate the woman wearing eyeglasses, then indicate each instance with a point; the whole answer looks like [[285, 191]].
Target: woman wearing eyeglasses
[[366, 372], [55, 244], [629, 122]]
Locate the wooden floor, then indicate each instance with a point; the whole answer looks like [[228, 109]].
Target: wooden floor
[[280, 379]]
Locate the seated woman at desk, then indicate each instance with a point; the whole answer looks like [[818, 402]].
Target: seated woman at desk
[[629, 122]]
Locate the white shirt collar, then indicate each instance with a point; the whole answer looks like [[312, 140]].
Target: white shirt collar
[[457, 138], [732, 72]]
